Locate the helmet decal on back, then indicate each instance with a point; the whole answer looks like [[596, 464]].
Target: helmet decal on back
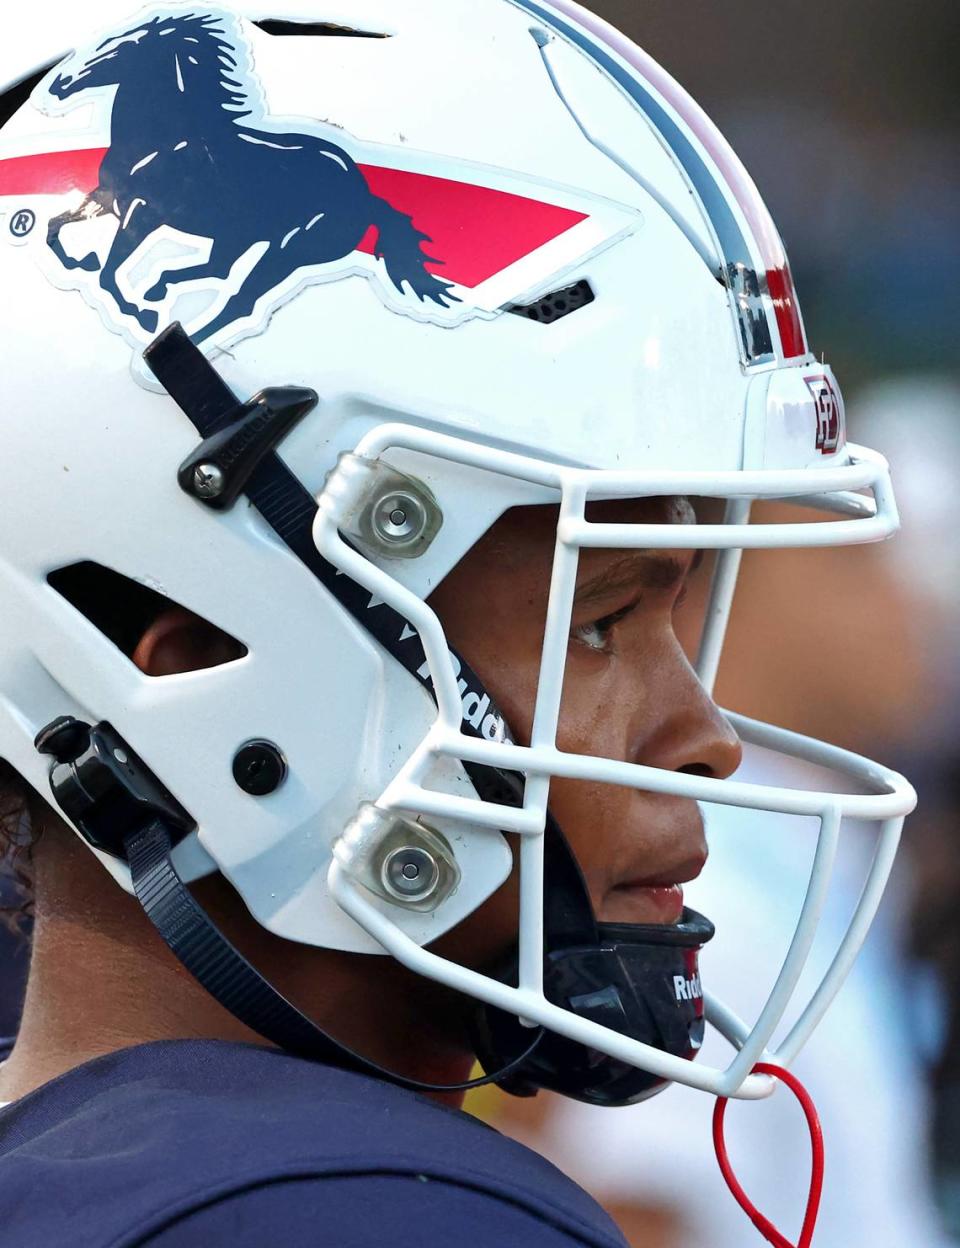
[[210, 195]]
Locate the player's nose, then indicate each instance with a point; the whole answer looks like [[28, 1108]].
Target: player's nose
[[694, 736]]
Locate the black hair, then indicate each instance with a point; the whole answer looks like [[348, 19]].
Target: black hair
[[19, 828]]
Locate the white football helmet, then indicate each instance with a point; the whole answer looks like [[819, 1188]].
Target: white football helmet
[[518, 265]]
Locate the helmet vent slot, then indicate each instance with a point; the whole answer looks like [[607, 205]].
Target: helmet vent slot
[[556, 305], [123, 609], [277, 26]]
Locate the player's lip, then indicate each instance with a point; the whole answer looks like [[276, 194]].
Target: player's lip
[[658, 898], [656, 903]]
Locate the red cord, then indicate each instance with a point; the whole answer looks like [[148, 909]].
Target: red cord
[[764, 1225]]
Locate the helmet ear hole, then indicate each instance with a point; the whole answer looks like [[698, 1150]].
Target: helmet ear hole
[[127, 612]]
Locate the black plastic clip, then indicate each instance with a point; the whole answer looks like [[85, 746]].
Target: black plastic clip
[[240, 434], [103, 788]]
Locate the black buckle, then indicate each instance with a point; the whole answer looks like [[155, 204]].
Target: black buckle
[[239, 435], [103, 788]]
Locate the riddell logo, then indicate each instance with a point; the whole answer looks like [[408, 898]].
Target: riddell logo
[[831, 423], [477, 710], [476, 705], [687, 989]]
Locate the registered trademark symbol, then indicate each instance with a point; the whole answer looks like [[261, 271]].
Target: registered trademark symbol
[[22, 222]]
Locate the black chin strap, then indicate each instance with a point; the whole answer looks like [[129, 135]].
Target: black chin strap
[[227, 975]]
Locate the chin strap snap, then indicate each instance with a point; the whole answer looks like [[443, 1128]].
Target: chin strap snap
[[764, 1225]]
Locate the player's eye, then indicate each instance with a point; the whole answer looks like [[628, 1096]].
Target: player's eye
[[597, 633]]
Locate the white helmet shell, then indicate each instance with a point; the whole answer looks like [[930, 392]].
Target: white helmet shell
[[261, 184]]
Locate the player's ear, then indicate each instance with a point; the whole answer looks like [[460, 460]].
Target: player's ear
[[179, 641]]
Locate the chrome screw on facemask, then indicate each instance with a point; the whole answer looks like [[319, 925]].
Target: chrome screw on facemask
[[411, 874], [208, 480], [399, 519]]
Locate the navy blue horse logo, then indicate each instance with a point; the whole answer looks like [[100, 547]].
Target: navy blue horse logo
[[184, 153]]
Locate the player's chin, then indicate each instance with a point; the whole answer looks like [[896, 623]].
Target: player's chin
[[659, 904]]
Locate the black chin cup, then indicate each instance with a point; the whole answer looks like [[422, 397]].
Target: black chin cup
[[640, 980]]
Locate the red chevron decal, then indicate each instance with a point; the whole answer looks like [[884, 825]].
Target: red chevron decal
[[475, 231]]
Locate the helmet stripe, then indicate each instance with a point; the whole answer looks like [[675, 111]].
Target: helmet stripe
[[659, 97]]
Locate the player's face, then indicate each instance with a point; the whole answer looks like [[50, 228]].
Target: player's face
[[629, 694]]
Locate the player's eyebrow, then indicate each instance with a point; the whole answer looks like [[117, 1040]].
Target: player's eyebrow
[[642, 569]]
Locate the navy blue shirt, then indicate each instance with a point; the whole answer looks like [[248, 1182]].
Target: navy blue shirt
[[204, 1143]]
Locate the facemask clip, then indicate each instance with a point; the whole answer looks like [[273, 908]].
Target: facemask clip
[[403, 862], [381, 510]]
